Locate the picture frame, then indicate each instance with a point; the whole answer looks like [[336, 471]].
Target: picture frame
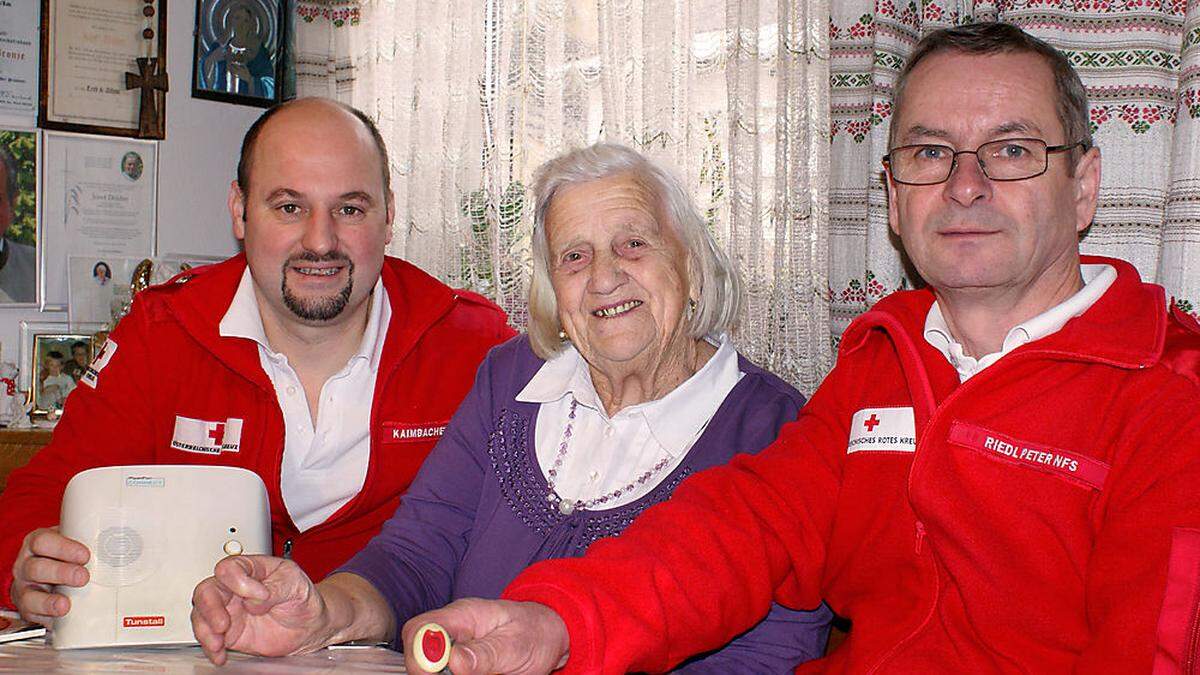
[[22, 251], [44, 343], [90, 77], [101, 201], [19, 48], [239, 53]]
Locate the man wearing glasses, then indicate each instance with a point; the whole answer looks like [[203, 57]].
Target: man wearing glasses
[[1000, 474]]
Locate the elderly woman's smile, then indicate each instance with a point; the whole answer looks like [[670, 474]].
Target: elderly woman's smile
[[616, 310]]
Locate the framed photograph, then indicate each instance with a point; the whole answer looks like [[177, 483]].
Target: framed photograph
[[54, 356], [19, 232], [239, 54], [98, 201], [91, 78], [99, 287]]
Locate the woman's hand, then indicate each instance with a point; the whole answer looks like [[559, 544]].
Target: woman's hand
[[496, 636]]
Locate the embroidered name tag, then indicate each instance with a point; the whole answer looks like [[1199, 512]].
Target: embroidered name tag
[[398, 432], [882, 430], [1072, 466], [205, 437], [92, 375]]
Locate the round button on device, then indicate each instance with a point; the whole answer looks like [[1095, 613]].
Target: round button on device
[[233, 547]]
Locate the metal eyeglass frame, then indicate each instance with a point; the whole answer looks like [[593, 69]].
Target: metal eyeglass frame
[[887, 161]]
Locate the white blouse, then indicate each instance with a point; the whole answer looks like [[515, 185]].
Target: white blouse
[[605, 454]]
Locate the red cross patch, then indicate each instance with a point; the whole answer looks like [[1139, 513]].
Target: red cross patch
[[207, 437], [882, 430]]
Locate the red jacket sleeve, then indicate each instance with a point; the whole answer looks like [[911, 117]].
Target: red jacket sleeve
[[101, 426], [730, 540]]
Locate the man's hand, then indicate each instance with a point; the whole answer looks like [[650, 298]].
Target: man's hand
[[260, 605], [496, 636], [47, 558]]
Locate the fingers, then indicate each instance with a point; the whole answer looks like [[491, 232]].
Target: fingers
[[242, 575], [37, 604], [48, 543], [212, 642], [210, 617], [48, 571], [47, 558]]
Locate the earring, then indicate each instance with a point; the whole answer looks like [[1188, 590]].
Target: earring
[[562, 335], [691, 309]]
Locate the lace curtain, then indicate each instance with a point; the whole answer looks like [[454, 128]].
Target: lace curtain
[[473, 95], [1140, 61]]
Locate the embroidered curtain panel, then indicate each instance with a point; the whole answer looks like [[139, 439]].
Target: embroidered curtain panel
[[775, 114], [473, 95]]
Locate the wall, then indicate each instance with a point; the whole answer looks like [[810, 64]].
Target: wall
[[196, 163]]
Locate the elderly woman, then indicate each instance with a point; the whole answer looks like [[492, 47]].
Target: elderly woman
[[626, 384]]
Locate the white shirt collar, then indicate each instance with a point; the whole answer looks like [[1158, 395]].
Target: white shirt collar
[[675, 419], [1096, 280], [243, 320]]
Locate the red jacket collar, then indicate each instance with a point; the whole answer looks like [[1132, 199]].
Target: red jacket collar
[[199, 298], [1126, 327]]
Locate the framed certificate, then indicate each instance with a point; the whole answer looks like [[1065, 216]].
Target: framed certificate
[[239, 55], [103, 65], [19, 60], [98, 200]]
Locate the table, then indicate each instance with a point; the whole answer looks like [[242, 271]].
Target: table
[[17, 446], [35, 656]]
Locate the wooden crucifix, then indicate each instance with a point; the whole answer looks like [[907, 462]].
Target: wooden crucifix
[[151, 80]]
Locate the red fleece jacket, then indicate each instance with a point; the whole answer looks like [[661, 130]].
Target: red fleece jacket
[[170, 360], [1040, 517]]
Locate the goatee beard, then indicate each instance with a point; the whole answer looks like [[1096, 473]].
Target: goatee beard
[[318, 309]]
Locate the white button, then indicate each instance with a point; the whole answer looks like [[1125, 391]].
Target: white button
[[608, 432], [233, 547], [594, 476], [291, 391]]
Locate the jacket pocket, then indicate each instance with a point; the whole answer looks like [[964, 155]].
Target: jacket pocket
[[1178, 648], [1073, 467]]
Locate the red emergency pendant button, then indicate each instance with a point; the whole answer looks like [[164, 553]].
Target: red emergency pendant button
[[431, 648]]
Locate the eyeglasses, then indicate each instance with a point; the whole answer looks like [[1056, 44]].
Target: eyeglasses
[[1003, 160]]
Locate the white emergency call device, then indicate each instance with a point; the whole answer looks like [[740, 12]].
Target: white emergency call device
[[154, 532]]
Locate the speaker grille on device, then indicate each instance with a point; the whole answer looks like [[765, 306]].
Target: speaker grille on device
[[125, 545], [119, 546]]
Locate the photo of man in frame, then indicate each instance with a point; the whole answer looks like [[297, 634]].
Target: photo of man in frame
[[18, 217]]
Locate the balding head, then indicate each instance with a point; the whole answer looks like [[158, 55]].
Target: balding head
[[310, 109]]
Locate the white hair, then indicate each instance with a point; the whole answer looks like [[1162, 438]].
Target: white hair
[[712, 278]]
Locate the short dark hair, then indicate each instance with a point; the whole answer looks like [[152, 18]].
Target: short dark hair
[[252, 134], [10, 172], [54, 354], [77, 345], [997, 38]]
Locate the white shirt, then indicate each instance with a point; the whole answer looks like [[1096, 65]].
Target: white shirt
[[324, 466], [605, 454], [1096, 280]]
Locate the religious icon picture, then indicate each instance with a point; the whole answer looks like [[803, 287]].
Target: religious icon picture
[[240, 51]]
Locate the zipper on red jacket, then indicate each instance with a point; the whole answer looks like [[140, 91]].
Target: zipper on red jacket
[[920, 536], [1193, 644], [287, 549]]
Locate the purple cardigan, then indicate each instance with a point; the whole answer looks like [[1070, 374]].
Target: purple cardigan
[[476, 514]]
